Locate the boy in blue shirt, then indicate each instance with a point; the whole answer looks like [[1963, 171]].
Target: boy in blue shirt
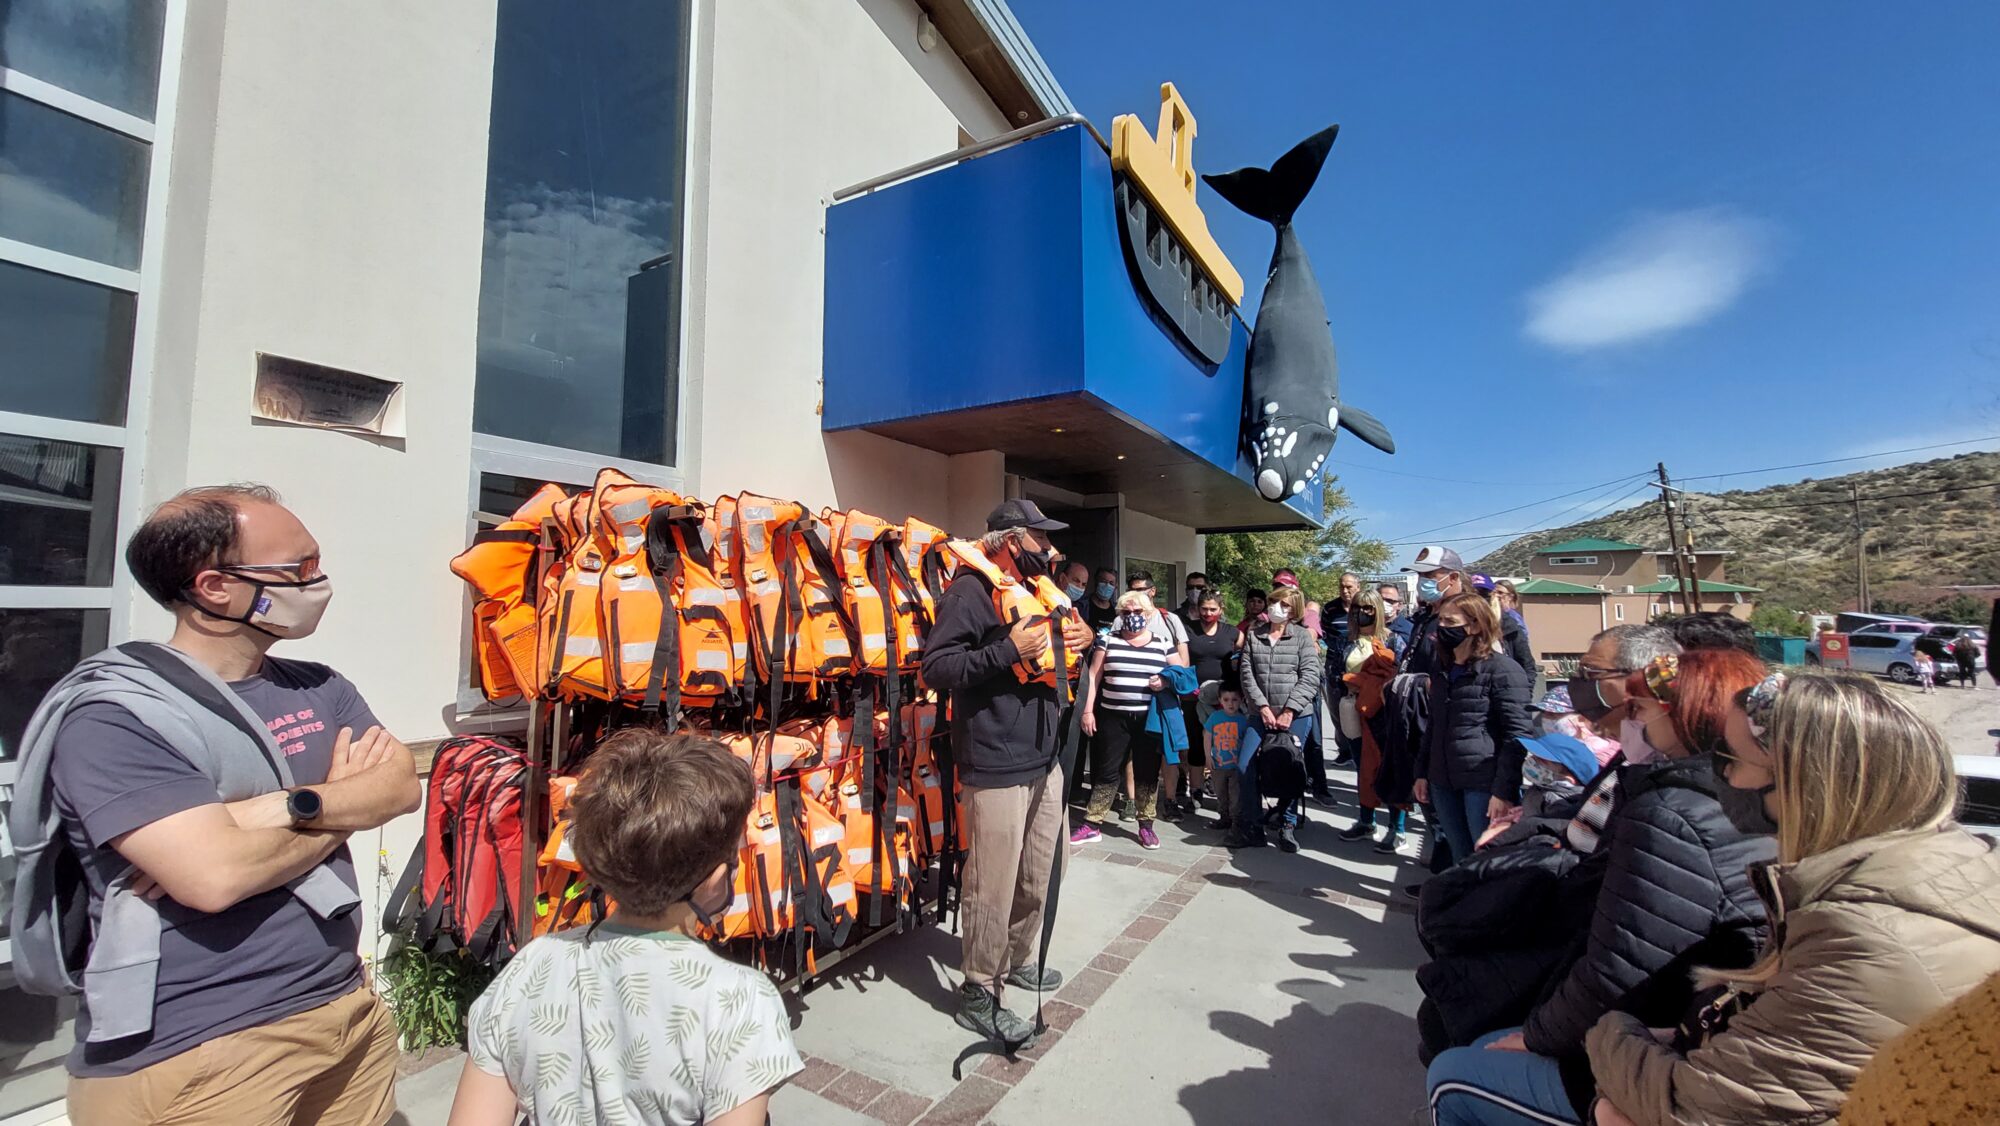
[[1227, 738]]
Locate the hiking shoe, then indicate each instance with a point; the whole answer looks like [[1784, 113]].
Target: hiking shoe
[[1287, 842], [1129, 811], [1244, 840], [1024, 977], [1323, 797], [1148, 839], [1084, 834], [1388, 845], [979, 1011], [1361, 831]]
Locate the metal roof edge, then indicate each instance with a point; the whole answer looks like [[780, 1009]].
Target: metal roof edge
[[1012, 40]]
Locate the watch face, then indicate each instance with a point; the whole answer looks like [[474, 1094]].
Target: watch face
[[304, 804]]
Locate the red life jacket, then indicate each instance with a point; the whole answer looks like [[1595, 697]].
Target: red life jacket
[[464, 884]]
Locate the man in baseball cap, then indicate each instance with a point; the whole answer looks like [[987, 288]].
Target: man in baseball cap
[[1021, 514]]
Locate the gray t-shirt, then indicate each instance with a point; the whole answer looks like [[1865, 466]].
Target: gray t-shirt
[[266, 958]]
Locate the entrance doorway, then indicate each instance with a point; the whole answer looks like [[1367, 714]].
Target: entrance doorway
[[1092, 538]]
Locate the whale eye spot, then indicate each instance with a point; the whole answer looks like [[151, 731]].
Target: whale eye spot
[[1298, 487], [1333, 417], [1270, 408]]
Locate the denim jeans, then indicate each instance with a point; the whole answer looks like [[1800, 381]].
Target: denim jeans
[[1461, 817], [1476, 1086], [1250, 803]]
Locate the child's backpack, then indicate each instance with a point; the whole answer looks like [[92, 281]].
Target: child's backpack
[[1281, 766], [464, 884]]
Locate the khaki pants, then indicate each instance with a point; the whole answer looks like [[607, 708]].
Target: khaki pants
[[334, 1065], [1016, 833]]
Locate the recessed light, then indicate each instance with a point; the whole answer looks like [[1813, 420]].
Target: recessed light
[[1121, 457], [1055, 429]]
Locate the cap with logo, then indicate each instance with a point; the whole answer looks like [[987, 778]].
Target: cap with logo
[[1483, 582], [1435, 558], [1021, 514]]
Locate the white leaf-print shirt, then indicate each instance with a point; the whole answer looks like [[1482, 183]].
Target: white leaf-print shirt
[[630, 1027]]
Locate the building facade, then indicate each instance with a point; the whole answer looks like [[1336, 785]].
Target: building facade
[[569, 243], [1581, 587]]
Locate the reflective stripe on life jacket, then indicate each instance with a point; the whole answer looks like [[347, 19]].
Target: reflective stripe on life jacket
[[572, 636], [1036, 601], [798, 627], [639, 629], [692, 549]]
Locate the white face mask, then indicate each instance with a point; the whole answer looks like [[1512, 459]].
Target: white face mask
[[288, 610], [1632, 740], [1278, 612]]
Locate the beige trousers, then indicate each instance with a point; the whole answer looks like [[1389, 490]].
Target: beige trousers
[[1016, 832], [334, 1065]]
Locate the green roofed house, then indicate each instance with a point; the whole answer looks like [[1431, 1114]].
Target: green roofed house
[[1579, 587]]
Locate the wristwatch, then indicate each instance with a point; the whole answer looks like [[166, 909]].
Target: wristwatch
[[304, 806]]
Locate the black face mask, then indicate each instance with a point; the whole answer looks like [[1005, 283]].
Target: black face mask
[[1361, 618], [1033, 563], [1451, 637], [1745, 809], [1587, 698]]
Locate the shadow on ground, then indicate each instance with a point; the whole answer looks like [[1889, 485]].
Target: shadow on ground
[[1356, 1054]]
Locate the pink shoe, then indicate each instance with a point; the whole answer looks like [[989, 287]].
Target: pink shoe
[[1084, 834], [1148, 839]]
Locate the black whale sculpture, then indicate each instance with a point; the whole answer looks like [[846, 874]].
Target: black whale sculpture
[[1292, 386]]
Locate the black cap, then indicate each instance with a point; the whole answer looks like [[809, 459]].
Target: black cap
[[1021, 514]]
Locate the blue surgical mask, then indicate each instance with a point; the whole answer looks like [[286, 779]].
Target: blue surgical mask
[[1105, 591], [1427, 591], [1073, 593]]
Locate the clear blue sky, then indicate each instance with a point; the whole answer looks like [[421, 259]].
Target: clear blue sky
[[1563, 241]]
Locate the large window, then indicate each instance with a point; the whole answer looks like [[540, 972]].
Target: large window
[[579, 295], [79, 88]]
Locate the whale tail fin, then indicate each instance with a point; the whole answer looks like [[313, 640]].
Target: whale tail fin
[[1366, 427], [1273, 194]]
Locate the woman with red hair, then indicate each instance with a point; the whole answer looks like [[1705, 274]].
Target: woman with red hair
[[1675, 893]]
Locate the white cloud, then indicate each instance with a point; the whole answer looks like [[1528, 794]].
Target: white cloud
[[1661, 273]]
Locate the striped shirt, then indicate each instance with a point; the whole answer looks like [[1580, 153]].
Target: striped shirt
[[1127, 668]]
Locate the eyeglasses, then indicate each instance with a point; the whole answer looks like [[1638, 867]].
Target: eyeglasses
[[1601, 674], [305, 570]]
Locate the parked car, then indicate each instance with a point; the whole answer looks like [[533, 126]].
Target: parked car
[[1884, 653], [1850, 621], [1918, 628]]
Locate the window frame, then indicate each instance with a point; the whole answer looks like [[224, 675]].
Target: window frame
[[1572, 560]]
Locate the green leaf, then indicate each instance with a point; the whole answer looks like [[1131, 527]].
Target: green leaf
[[685, 1075], [683, 1025], [636, 1058], [691, 972], [735, 998], [600, 1037], [567, 1110], [551, 1069], [635, 993], [723, 1044], [549, 1020], [768, 1072]]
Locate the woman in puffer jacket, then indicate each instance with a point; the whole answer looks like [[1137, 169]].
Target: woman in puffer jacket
[[1281, 679], [1470, 770], [1883, 910], [1667, 889]]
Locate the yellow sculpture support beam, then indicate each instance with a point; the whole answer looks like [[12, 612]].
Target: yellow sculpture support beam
[[1162, 166]]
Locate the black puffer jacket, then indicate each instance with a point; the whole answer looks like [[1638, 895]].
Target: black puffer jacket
[[1675, 894], [1478, 718]]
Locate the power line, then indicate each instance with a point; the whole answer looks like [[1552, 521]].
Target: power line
[[1850, 500], [1600, 510], [1451, 480], [1413, 536], [1835, 460]]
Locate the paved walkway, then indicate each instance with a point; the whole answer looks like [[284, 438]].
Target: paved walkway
[[1204, 987]]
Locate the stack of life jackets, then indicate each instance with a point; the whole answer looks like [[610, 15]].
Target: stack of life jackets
[[796, 639]]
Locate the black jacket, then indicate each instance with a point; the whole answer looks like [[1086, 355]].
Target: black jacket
[[1477, 722], [1514, 642], [1003, 732], [1399, 730], [1675, 893]]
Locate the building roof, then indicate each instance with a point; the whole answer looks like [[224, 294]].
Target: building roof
[[1697, 551], [1589, 543], [999, 55], [1553, 586], [1708, 586]]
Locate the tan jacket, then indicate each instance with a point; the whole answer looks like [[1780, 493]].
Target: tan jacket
[[1873, 937]]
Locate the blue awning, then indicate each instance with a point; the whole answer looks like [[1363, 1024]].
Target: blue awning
[[989, 306]]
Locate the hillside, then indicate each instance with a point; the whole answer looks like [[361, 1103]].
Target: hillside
[[1803, 557]]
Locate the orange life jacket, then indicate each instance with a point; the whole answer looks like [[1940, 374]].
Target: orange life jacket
[[880, 596], [798, 628], [499, 566], [638, 630], [572, 636], [693, 551], [562, 891], [927, 563], [1037, 601]]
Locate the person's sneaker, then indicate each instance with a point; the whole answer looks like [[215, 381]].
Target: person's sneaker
[[1360, 831], [979, 1011], [1148, 839], [1388, 845], [1129, 811], [1414, 891], [1287, 842], [1244, 840], [1224, 823], [1084, 834], [1024, 977]]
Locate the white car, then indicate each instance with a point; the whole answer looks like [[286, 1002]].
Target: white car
[[1980, 808]]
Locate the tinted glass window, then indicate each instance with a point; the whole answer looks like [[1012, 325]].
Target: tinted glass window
[[58, 512], [68, 185], [580, 285], [108, 52], [69, 346]]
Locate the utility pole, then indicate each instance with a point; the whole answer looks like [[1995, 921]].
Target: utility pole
[[1681, 574], [1861, 600]]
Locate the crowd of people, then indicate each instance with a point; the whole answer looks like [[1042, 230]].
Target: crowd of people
[[1676, 887]]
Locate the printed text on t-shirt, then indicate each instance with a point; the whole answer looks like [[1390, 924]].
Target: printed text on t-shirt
[[291, 730]]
